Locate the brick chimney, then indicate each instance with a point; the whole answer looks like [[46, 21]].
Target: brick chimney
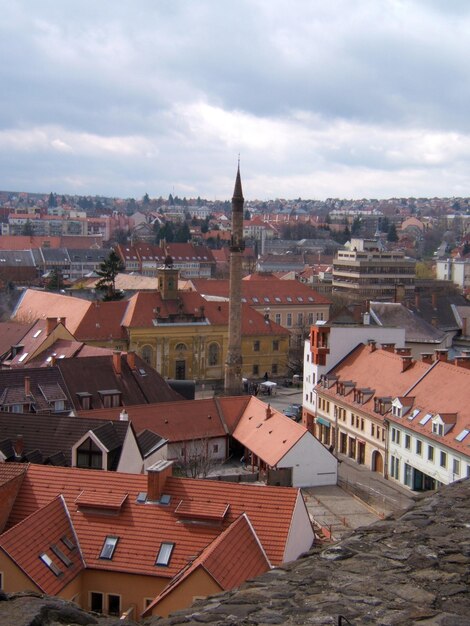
[[269, 412], [441, 354], [399, 292], [117, 362], [124, 416], [19, 446], [51, 323], [372, 344], [426, 357], [27, 386], [406, 362], [434, 300], [388, 347], [156, 478], [462, 361], [417, 300], [131, 360], [403, 351]]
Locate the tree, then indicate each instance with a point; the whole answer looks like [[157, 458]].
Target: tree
[[392, 233], [196, 460], [356, 226], [146, 199], [55, 281], [27, 229], [182, 234], [52, 201], [108, 271], [247, 215]]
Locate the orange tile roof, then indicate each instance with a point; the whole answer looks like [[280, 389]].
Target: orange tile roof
[[207, 510], [40, 304], [175, 421], [102, 320], [270, 438], [233, 557], [379, 370], [264, 292], [48, 525], [142, 528], [444, 390]]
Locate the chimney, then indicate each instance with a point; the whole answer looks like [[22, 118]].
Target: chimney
[[117, 362], [372, 344], [462, 361], [62, 320], [406, 362], [51, 323], [400, 293], [131, 360], [269, 412], [434, 300], [417, 300], [19, 446], [441, 354], [388, 347], [366, 318], [156, 478], [124, 416], [403, 351], [27, 386], [53, 360], [426, 357], [434, 321]]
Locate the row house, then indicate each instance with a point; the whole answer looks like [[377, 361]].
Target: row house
[[190, 260], [406, 419]]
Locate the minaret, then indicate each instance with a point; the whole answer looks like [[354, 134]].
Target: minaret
[[233, 365]]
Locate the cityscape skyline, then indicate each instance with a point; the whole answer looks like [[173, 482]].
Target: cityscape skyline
[[342, 101]]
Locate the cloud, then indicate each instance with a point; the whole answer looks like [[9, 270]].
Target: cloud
[[321, 99]]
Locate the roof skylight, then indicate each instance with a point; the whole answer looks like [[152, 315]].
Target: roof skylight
[[46, 559], [424, 420], [164, 554], [461, 436], [107, 551]]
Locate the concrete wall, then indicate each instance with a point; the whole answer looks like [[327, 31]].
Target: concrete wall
[[312, 464], [301, 535]]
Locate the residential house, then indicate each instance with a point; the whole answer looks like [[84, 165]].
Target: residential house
[[274, 446], [83, 535], [403, 418], [332, 341], [36, 390], [66, 441]]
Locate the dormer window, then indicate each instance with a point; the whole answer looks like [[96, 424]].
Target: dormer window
[[438, 429], [85, 400], [396, 410]]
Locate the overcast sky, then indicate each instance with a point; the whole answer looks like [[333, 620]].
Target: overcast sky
[[321, 98]]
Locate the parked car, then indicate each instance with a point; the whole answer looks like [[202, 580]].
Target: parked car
[[294, 412]]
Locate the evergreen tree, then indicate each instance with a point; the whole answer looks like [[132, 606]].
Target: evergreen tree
[[146, 199], [108, 271], [356, 226], [52, 202], [27, 229], [392, 233]]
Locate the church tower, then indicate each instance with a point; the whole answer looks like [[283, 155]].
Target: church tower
[[233, 365]]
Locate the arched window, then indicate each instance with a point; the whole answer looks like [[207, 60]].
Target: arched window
[[180, 347], [214, 354], [147, 354]]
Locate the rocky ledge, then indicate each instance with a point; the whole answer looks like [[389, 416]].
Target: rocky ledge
[[412, 568]]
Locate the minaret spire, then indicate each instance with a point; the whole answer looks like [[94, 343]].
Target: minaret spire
[[233, 365]]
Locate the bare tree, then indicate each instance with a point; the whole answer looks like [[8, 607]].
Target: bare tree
[[197, 460]]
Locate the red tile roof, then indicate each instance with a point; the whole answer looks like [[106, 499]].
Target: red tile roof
[[48, 525], [267, 432], [233, 557], [264, 292], [142, 528]]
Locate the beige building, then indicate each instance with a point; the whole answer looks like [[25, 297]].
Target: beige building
[[368, 273]]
